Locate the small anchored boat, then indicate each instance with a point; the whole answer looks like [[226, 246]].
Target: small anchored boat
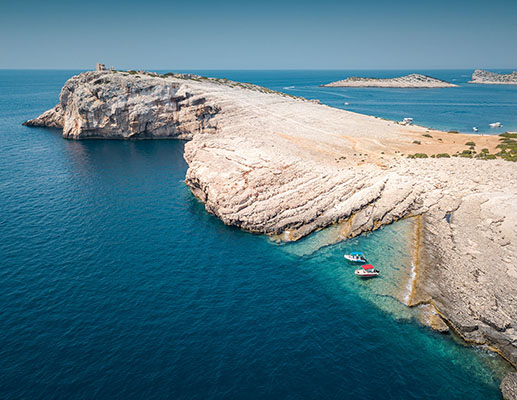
[[475, 129], [496, 125], [366, 271], [407, 121], [356, 257]]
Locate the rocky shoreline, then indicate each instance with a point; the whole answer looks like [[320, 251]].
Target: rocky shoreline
[[274, 164], [408, 81], [491, 78]]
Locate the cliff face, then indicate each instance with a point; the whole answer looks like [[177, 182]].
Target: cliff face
[[408, 81], [124, 106], [491, 78], [273, 164]]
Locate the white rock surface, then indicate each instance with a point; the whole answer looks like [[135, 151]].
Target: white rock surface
[[492, 78], [408, 81], [272, 164]]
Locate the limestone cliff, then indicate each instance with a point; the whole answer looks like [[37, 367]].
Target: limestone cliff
[[273, 164], [127, 106]]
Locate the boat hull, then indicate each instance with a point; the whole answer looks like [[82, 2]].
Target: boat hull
[[361, 274], [356, 260]]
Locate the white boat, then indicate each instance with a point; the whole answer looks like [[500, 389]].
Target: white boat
[[475, 129], [347, 103], [356, 257], [366, 271], [496, 125], [407, 121]]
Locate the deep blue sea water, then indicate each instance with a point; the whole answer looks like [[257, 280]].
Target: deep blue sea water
[[115, 282], [460, 108]]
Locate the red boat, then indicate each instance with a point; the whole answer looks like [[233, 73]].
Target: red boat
[[366, 271]]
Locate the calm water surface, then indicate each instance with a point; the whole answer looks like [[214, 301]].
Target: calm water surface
[[460, 108], [115, 283]]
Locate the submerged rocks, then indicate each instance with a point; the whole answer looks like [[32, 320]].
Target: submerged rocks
[[408, 81], [491, 78]]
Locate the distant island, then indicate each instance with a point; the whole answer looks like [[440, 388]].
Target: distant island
[[491, 78], [408, 81]]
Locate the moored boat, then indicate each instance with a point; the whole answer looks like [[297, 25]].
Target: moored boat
[[366, 271], [356, 257]]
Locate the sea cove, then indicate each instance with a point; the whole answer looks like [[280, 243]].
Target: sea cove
[[132, 290]]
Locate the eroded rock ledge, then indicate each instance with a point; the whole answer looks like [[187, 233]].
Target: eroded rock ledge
[[273, 164], [408, 81]]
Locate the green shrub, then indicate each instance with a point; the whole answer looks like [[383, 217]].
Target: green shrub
[[509, 135], [427, 135], [443, 155], [417, 155], [509, 145], [486, 156], [484, 150], [470, 144], [417, 142], [454, 131]]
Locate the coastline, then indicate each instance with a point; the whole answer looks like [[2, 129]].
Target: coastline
[[244, 165]]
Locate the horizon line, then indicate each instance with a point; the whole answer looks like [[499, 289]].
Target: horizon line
[[265, 69]]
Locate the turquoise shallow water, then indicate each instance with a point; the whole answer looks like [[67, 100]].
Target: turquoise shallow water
[[115, 283]]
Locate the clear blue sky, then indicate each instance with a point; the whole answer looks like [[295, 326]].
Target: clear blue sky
[[263, 34]]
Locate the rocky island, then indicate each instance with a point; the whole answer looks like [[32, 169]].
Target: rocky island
[[408, 81], [491, 78], [275, 164]]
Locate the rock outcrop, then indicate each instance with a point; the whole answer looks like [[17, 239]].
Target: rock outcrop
[[125, 106], [491, 78], [408, 81], [509, 386], [273, 164]]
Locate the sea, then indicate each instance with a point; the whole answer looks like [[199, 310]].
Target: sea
[[116, 283]]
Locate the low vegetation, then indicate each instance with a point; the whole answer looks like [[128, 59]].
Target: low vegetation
[[222, 81], [417, 155], [427, 135], [508, 146]]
